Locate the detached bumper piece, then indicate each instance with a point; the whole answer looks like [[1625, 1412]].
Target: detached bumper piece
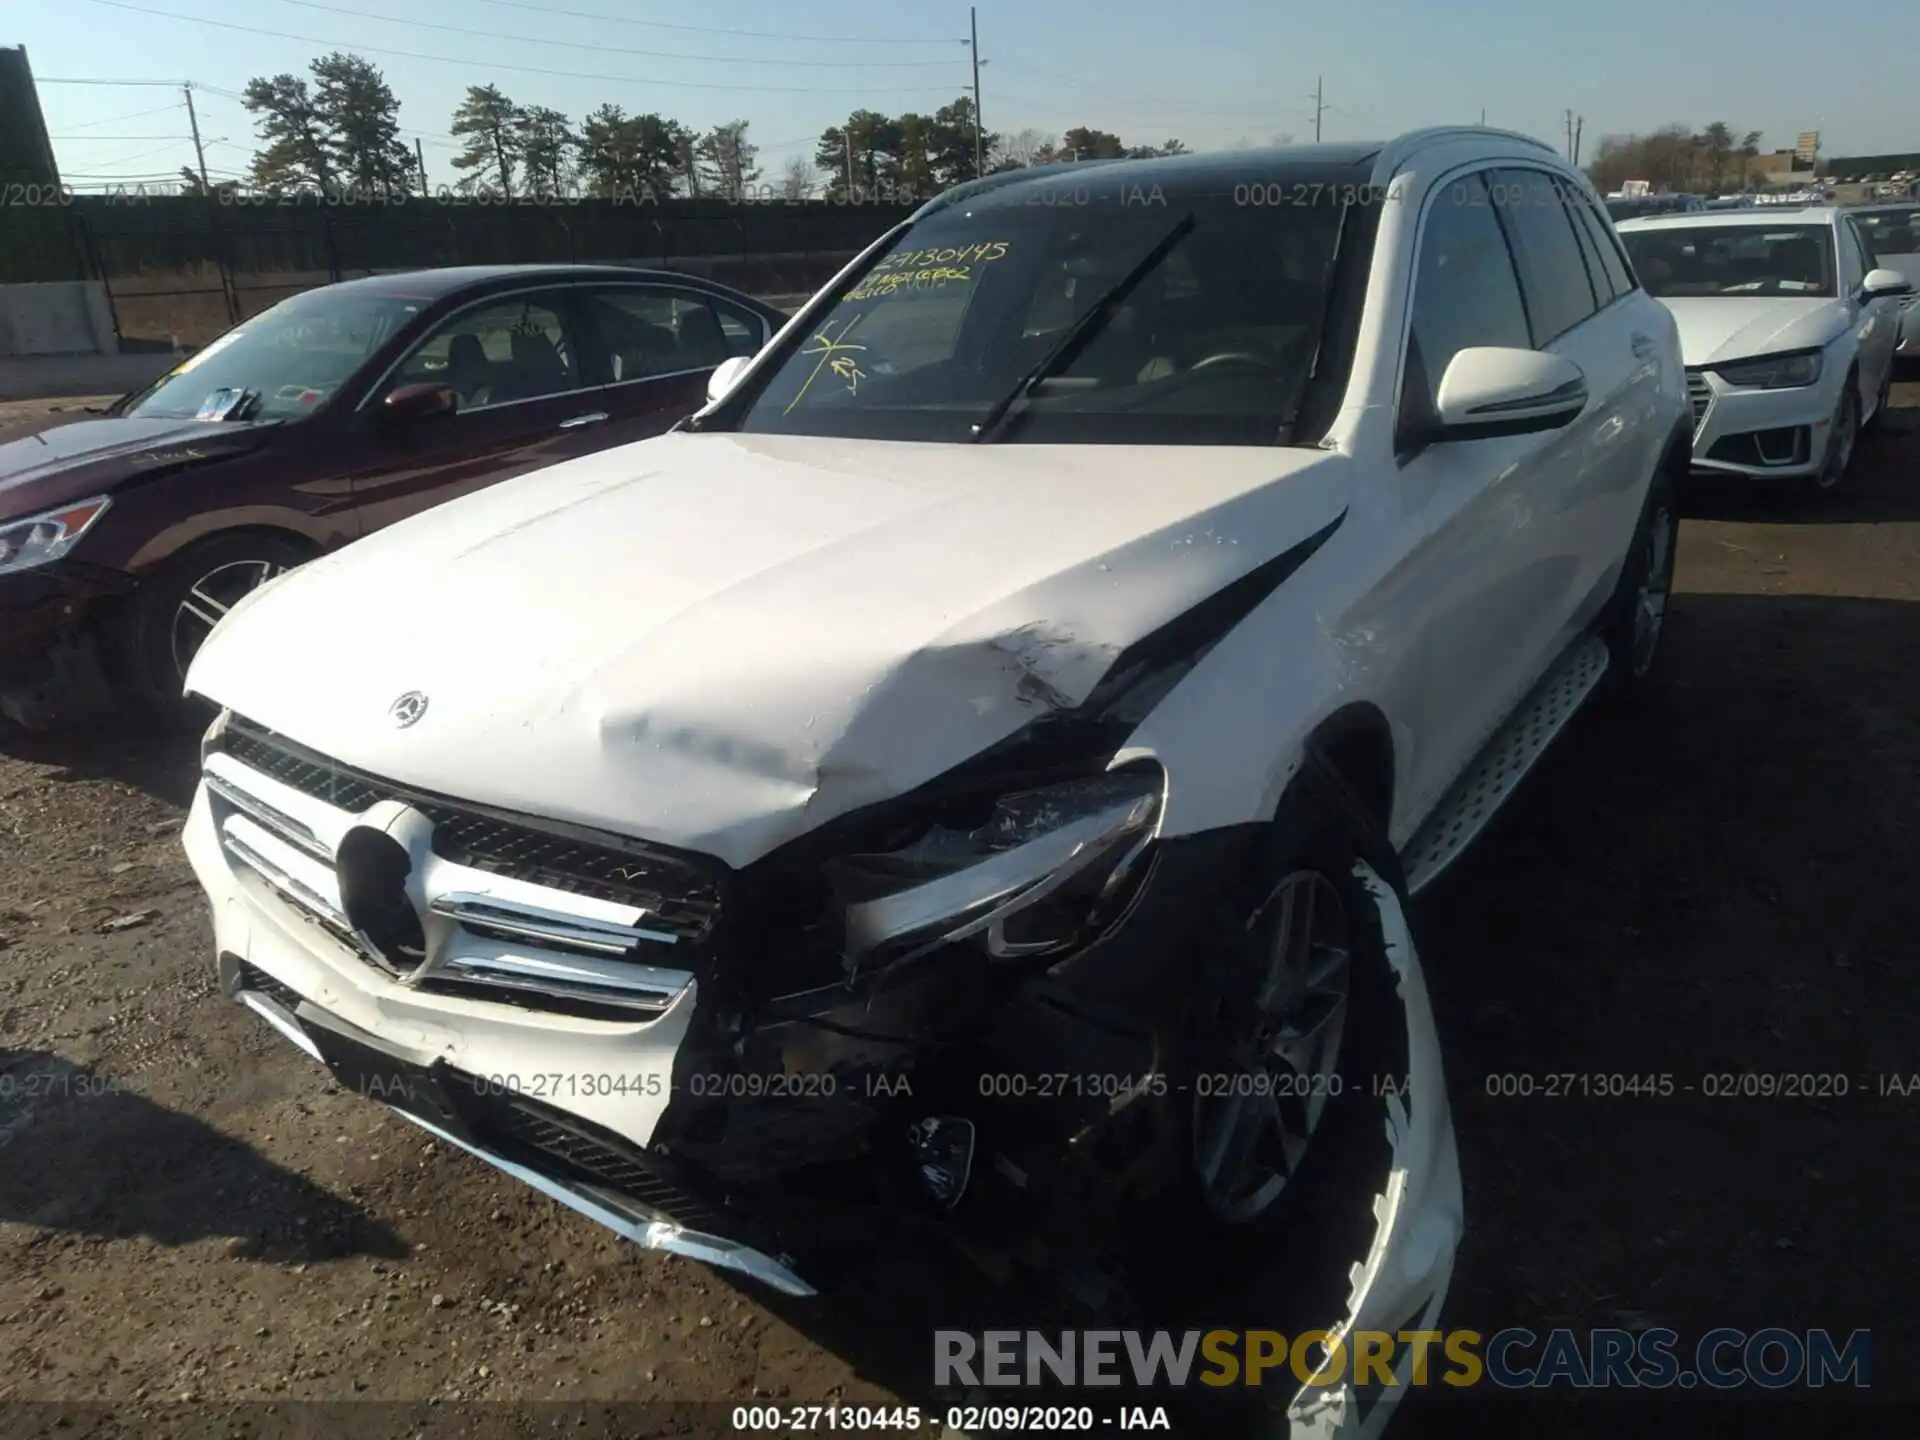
[[633, 1193]]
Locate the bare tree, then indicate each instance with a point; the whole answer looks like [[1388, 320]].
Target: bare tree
[[799, 180], [1022, 146]]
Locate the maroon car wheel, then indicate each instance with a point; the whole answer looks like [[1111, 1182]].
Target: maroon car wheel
[[176, 609]]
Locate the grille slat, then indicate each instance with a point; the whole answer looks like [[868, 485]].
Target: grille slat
[[1700, 394], [677, 896]]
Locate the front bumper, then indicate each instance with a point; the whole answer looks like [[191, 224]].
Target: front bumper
[[1763, 434], [596, 1113], [50, 663]]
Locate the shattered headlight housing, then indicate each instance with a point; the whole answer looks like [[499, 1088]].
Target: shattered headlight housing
[[40, 539], [1048, 869]]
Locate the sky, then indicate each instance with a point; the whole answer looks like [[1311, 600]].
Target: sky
[[1212, 73]]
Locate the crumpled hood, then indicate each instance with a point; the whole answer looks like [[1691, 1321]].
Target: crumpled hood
[[723, 641], [1718, 328], [61, 463]]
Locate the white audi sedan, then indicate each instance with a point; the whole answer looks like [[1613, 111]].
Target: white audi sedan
[[1788, 324]]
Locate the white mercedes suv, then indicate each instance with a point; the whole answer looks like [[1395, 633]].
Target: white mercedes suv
[[974, 767], [1788, 324]]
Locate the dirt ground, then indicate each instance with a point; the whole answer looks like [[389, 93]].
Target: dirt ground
[[190, 1212]]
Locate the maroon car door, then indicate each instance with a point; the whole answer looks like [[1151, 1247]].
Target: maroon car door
[[657, 344], [528, 396]]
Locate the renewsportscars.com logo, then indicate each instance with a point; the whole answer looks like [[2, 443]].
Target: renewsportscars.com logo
[[1513, 1359]]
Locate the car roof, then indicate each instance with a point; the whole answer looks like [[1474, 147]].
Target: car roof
[[448, 280], [1763, 216], [1348, 162]]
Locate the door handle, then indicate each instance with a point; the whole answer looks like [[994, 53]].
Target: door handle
[[579, 420]]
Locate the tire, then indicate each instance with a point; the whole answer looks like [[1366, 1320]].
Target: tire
[[175, 609], [1879, 419], [1321, 1221], [1637, 615], [1838, 456]]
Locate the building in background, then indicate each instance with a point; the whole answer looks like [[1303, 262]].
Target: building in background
[[1806, 149], [26, 154]]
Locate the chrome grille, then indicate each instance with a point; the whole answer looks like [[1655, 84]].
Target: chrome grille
[[1700, 393], [515, 914], [676, 895]]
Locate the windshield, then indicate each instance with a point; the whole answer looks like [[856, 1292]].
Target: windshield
[[1891, 232], [1675, 261], [283, 364], [1211, 343]]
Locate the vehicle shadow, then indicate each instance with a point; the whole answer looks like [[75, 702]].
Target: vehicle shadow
[[1880, 485], [130, 747], [84, 1153], [1672, 981]]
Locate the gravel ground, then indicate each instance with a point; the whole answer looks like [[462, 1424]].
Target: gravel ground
[[188, 1210]]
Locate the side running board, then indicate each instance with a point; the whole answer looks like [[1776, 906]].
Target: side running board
[[1504, 762]]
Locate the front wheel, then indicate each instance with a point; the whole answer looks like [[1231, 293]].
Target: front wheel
[[1281, 1087], [177, 608], [1841, 434]]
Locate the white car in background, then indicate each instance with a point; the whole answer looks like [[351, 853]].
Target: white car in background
[[1789, 326], [976, 765], [1892, 234]]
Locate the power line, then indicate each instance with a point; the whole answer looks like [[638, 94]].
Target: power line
[[613, 49], [133, 115], [229, 25], [119, 137], [606, 19], [1262, 112], [59, 80]]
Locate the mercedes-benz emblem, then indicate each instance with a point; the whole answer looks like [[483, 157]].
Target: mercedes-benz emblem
[[408, 708]]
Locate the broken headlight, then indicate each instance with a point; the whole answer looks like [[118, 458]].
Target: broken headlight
[[1045, 870]]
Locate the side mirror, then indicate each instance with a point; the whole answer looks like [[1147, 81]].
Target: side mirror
[[410, 404], [1488, 392], [1881, 283], [724, 375]]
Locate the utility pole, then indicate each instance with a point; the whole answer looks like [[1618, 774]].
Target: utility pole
[[1483, 117], [1319, 104], [1579, 125], [1569, 134], [420, 158], [847, 136], [979, 142], [193, 123]]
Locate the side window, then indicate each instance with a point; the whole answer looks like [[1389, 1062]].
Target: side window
[[1853, 267], [650, 331], [1553, 274], [742, 328], [1465, 292], [497, 352], [1868, 259], [1613, 266]]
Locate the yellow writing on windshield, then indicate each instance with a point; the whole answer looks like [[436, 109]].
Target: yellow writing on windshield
[[833, 355], [951, 255], [932, 277]]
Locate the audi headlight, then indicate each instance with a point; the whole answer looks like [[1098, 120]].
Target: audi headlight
[[1045, 870], [1772, 372], [39, 539]]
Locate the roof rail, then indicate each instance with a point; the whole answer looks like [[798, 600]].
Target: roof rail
[[1395, 153]]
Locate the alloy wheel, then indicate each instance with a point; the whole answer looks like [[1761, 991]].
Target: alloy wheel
[[1256, 1111], [1840, 442], [208, 600], [1656, 584]]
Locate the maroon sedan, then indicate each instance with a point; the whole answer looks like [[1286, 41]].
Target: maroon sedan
[[124, 539]]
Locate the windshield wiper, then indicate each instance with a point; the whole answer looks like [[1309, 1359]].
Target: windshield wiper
[[1068, 347]]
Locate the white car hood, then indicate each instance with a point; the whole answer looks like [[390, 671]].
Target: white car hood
[[723, 641], [1718, 328]]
